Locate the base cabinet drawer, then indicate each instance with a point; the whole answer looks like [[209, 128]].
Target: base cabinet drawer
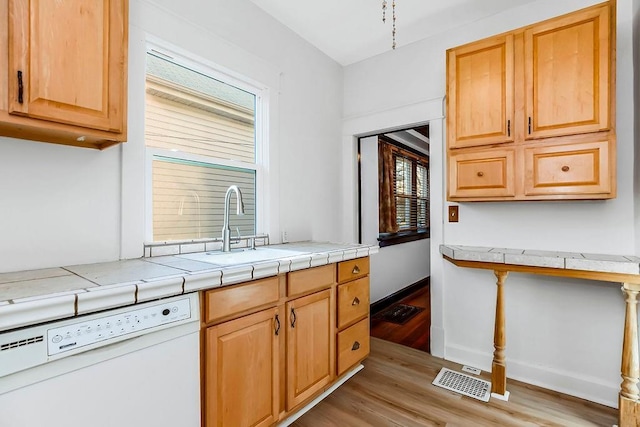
[[482, 173], [353, 301], [353, 345], [568, 169], [353, 269], [228, 301]]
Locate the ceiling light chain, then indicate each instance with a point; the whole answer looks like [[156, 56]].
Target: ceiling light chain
[[393, 14], [393, 32]]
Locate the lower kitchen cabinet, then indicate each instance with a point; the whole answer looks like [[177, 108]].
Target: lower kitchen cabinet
[[310, 346], [269, 346], [241, 376]]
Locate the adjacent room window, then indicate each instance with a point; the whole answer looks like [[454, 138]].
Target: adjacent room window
[[200, 133], [403, 193]]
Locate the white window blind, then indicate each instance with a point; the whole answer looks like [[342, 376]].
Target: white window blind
[[202, 134], [411, 187]]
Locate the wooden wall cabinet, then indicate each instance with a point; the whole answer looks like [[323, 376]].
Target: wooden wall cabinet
[[269, 346], [515, 99], [64, 68]]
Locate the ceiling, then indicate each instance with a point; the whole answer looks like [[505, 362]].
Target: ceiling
[[350, 31]]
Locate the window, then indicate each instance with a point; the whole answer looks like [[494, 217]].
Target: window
[[200, 134], [404, 194]]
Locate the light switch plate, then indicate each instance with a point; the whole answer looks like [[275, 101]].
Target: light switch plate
[[453, 213]]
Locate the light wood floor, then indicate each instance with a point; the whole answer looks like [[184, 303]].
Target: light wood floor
[[394, 389]]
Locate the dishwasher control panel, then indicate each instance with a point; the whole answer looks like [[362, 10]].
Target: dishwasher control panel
[[94, 330]]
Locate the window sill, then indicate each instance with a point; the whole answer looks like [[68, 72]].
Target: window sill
[[391, 239]]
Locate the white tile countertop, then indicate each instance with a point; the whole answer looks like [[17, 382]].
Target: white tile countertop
[[603, 263], [36, 296]]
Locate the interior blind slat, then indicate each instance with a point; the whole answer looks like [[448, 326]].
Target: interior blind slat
[[411, 191]]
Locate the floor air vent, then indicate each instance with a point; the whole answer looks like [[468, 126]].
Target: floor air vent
[[463, 384]]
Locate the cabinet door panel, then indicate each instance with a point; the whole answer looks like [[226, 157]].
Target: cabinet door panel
[[480, 93], [72, 61], [567, 75], [242, 371], [310, 346]]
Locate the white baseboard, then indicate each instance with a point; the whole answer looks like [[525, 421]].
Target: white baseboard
[[567, 382]]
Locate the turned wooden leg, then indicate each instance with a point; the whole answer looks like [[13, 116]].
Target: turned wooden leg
[[499, 365], [630, 369]]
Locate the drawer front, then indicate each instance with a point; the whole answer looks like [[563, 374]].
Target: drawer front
[[482, 174], [225, 302], [568, 169], [353, 301], [306, 281], [353, 345], [353, 269]]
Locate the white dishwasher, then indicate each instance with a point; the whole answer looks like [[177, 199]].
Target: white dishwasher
[[135, 366]]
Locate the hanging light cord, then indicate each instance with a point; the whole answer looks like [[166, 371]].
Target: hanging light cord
[[393, 16]]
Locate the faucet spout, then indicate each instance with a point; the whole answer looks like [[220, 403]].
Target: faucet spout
[[226, 231]]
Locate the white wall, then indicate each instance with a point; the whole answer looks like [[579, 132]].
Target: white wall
[[562, 334], [64, 205]]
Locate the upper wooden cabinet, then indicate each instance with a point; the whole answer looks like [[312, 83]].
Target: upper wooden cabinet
[[66, 71], [517, 100], [567, 75], [480, 93]]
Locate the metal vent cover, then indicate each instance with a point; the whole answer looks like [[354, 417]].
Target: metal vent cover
[[21, 343], [463, 384]]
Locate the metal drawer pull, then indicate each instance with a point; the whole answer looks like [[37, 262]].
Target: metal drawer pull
[[277, 324], [356, 270], [480, 174], [293, 318], [356, 301], [356, 345], [565, 168]]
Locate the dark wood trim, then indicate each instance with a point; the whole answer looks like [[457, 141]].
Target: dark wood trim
[[389, 300], [402, 237]]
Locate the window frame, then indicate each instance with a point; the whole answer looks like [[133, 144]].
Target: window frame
[[404, 236], [261, 132]]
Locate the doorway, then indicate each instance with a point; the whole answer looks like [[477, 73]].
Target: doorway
[[400, 291]]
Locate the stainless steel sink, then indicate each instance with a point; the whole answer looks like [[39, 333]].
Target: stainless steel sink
[[242, 256]]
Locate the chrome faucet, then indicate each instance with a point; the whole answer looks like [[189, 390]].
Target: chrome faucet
[[226, 231]]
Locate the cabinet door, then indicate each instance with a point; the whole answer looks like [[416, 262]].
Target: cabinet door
[[242, 371], [567, 75], [480, 99], [67, 61], [310, 345]]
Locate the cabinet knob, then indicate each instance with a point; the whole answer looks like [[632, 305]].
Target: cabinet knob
[[356, 345], [565, 168], [356, 270], [356, 301], [480, 174]]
